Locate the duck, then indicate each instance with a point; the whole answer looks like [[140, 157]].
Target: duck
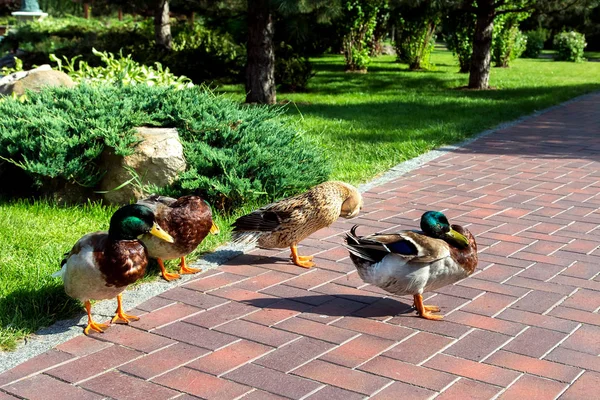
[[102, 264], [287, 222], [188, 219], [413, 262]]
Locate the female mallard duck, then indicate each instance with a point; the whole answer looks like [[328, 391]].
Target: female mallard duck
[[102, 264], [288, 221], [188, 220], [411, 262]]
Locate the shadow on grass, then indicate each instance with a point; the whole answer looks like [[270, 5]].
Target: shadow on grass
[[26, 310], [449, 116]]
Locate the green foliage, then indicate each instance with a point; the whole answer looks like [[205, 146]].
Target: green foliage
[[18, 67], [415, 32], [203, 54], [292, 71], [235, 155], [569, 46], [460, 28], [119, 71], [535, 42], [508, 41], [198, 53], [357, 25]]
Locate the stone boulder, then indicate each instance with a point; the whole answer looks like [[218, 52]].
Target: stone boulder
[[34, 79], [157, 160]]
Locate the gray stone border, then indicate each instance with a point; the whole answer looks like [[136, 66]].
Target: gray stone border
[[61, 331]]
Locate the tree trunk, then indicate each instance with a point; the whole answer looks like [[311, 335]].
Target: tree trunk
[[162, 25], [260, 68], [479, 75], [120, 14], [86, 10]]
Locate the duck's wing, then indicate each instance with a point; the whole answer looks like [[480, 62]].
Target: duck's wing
[[410, 245], [155, 202], [93, 241]]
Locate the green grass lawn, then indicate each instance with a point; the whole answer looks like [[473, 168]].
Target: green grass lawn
[[369, 122], [34, 237], [366, 123]]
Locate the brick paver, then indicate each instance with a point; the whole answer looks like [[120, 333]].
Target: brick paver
[[525, 325]]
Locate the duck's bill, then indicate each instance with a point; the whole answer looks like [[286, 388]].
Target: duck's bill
[[160, 233], [458, 238], [214, 229]]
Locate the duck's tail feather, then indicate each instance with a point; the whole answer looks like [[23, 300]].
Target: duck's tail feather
[[260, 221], [245, 238], [364, 249]]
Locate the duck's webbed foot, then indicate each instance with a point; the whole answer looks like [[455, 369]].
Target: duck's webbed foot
[[426, 311]]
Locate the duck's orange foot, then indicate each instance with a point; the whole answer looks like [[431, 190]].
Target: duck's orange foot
[[184, 269], [100, 328], [123, 318], [426, 311], [301, 261], [168, 276]]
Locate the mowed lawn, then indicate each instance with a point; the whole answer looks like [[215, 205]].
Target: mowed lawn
[[366, 123], [370, 122]]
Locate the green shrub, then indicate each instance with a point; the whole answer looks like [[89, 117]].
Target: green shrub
[[460, 28], [121, 71], [416, 23], [569, 46], [356, 26], [235, 154], [535, 42], [292, 71], [508, 41], [198, 53]]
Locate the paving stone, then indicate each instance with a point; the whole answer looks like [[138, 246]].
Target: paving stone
[[401, 390], [477, 345], [230, 357], [535, 342], [358, 350], [374, 328], [408, 373], [342, 377], [201, 385], [294, 354], [94, 364], [192, 297], [574, 358], [586, 387], [121, 386], [221, 314], [277, 312], [333, 393], [163, 360], [80, 346], [473, 370], [135, 338], [196, 335], [585, 340], [257, 333], [485, 323], [537, 301], [547, 369], [273, 381], [418, 348], [533, 387], [42, 362], [316, 330], [44, 387], [468, 389]]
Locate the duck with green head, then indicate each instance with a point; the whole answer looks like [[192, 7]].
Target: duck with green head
[[411, 262], [102, 264]]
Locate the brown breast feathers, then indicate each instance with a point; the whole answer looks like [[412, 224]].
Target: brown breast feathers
[[188, 221], [122, 262], [466, 257]]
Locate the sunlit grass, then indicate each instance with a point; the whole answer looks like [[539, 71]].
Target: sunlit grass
[[369, 122]]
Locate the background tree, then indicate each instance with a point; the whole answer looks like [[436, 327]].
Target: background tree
[[356, 27]]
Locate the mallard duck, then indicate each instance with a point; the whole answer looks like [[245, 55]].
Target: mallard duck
[[188, 220], [411, 262], [102, 264], [289, 221]]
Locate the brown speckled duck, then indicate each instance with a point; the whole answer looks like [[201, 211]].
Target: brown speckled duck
[[102, 264], [411, 262], [289, 221], [188, 220]]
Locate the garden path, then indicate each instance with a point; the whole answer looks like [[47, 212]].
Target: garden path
[[525, 326]]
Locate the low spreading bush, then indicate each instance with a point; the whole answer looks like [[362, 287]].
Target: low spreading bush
[[535, 42], [235, 154], [569, 46]]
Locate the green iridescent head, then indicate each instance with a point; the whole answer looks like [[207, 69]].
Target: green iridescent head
[[436, 225], [133, 220]]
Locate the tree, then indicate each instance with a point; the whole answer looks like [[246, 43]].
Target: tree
[[260, 69], [485, 12], [162, 25]]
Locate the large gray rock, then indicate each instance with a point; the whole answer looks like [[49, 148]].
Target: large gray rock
[[35, 79], [158, 159]]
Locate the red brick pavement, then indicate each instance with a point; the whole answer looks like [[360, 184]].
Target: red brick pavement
[[525, 326]]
